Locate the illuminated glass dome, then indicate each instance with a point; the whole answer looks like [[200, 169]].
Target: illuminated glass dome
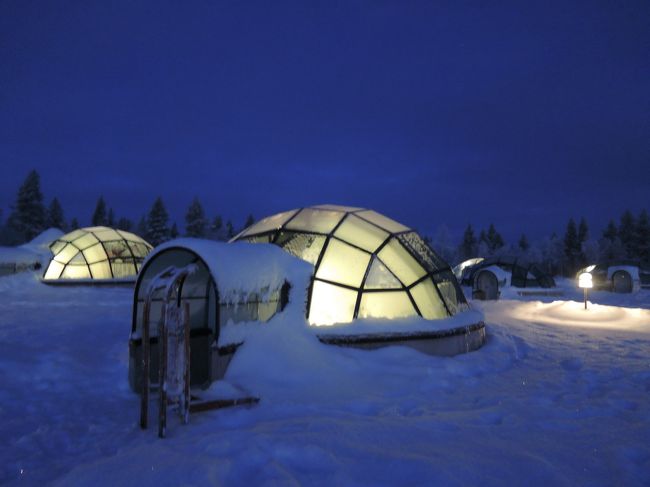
[[365, 264], [96, 253]]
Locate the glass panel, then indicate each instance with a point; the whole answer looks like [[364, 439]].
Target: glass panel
[[159, 263], [428, 301], [107, 234], [258, 239], [78, 259], [196, 285], [331, 304], [306, 246], [394, 304], [85, 241], [379, 277], [75, 272], [451, 292], [429, 259], [382, 221], [68, 252], [361, 233], [130, 236], [336, 207], [117, 248], [344, 264], [95, 229], [95, 253], [53, 270], [400, 263], [139, 249], [269, 223], [122, 268], [101, 270], [318, 221], [265, 311], [73, 235], [56, 246]]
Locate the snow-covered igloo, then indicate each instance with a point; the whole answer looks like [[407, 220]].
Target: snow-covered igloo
[[365, 264], [96, 254]]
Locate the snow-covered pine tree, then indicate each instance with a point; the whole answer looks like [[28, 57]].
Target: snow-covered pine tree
[[99, 215], [494, 239], [626, 231], [141, 228], [230, 230], [195, 222], [249, 221], [74, 223], [28, 216], [55, 218], [110, 219], [611, 232], [174, 233], [157, 223], [216, 229], [468, 247]]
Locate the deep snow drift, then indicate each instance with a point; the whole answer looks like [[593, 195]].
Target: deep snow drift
[[558, 396]]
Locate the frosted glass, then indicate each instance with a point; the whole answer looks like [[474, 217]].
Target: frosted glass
[[101, 270], [68, 252], [85, 241], [319, 221], [73, 235], [331, 304], [57, 246], [382, 221], [400, 262], [390, 305], [361, 233], [452, 294], [53, 270], [379, 277], [431, 261], [269, 223], [336, 207], [122, 268], [107, 234], [428, 301], [305, 246], [75, 272], [117, 249], [95, 253], [344, 264], [139, 250], [78, 259]]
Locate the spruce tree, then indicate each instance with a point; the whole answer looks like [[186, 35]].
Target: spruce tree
[[74, 223], [642, 239], [141, 228], [249, 221], [494, 239], [157, 223], [55, 217], [230, 230], [173, 233], [583, 231], [28, 217], [523, 243], [216, 229], [110, 219], [99, 215], [571, 246], [468, 245], [610, 233], [195, 221], [124, 224], [626, 231]]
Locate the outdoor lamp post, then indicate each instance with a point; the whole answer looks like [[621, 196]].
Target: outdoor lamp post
[[585, 281]]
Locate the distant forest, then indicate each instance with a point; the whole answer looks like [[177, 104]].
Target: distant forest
[[625, 240]]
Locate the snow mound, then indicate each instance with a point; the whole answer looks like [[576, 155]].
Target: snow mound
[[43, 241]]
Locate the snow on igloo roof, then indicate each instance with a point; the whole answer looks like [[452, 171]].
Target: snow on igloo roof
[[96, 253], [366, 265]]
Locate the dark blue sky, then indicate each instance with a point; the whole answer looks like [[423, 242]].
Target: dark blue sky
[[521, 114]]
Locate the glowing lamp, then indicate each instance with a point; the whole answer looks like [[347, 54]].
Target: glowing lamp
[[585, 281]]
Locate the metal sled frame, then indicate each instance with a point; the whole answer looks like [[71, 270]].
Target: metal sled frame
[[170, 283]]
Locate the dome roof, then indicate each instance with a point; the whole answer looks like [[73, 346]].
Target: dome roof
[[365, 264], [96, 253]]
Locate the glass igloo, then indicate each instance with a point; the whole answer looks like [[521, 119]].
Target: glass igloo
[[96, 253], [365, 264]]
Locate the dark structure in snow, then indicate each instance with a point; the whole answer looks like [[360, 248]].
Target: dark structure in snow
[[618, 276], [487, 276], [94, 255], [369, 265]]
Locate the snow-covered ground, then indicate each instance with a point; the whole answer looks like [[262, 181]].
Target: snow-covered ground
[[558, 396]]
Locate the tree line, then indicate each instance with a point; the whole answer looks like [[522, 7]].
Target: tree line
[[627, 240], [29, 216]]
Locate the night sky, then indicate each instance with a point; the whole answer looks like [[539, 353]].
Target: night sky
[[521, 114]]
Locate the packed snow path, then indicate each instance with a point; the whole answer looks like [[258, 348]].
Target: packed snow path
[[554, 398]]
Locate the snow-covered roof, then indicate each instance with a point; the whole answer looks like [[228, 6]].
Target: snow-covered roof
[[243, 267]]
